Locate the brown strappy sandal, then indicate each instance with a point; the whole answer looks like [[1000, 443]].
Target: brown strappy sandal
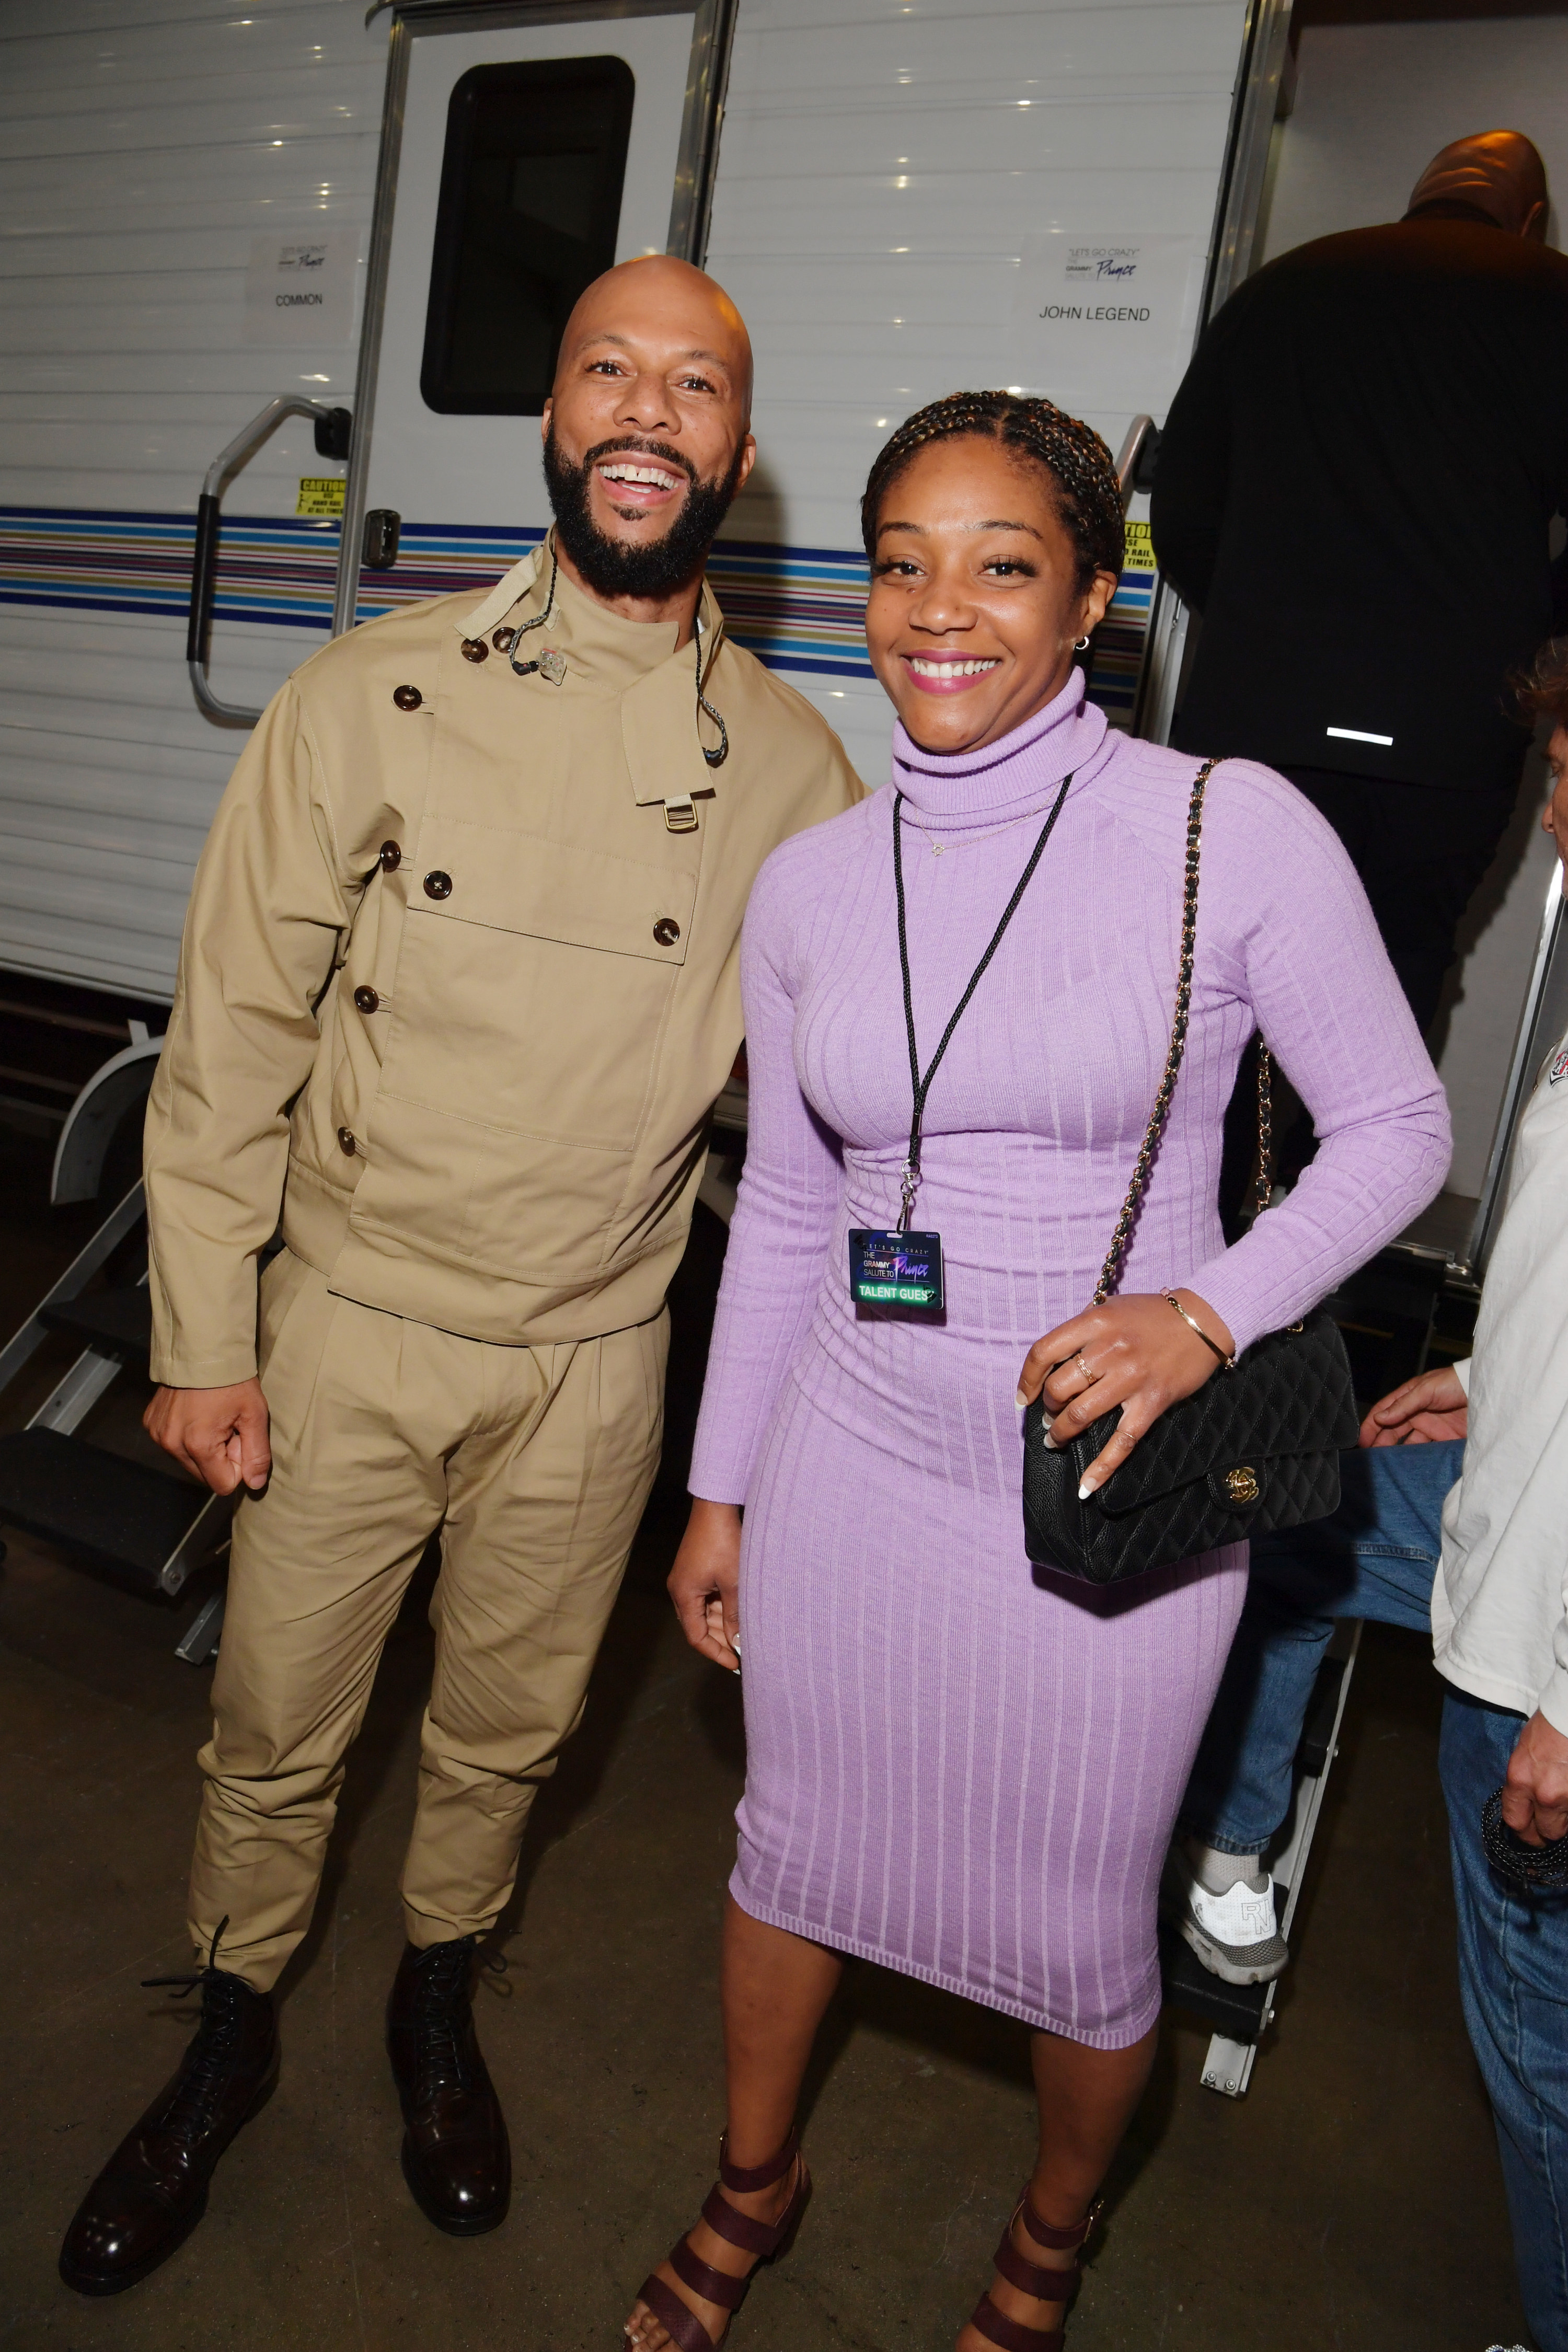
[[766, 2240], [1030, 2278]]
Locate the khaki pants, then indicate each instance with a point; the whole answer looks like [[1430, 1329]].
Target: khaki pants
[[535, 1463]]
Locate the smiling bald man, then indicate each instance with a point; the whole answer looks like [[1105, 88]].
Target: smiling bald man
[[457, 992]]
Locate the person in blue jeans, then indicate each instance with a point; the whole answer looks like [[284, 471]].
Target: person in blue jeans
[[1377, 1559], [1452, 1520]]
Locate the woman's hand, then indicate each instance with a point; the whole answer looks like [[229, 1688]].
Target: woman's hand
[[705, 1583], [1132, 1352], [1419, 1411]]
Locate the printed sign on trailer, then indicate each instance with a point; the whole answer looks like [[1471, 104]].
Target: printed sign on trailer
[[300, 290], [1140, 547], [1102, 322], [320, 494]]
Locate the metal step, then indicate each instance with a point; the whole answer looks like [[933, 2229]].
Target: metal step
[[117, 1323], [1241, 2014], [24, 1343], [142, 1529], [1236, 2010]]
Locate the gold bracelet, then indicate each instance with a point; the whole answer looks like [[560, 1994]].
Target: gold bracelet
[[1212, 1345]]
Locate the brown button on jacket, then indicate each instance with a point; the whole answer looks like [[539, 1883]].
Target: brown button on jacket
[[552, 967]]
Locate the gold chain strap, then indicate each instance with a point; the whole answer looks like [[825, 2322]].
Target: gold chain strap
[[1263, 1174], [1110, 1273]]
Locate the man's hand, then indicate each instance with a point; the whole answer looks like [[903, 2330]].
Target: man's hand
[[1419, 1411], [1535, 1791], [220, 1435], [705, 1581]]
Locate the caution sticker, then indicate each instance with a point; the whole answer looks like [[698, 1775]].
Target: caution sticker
[[320, 494], [1140, 547]]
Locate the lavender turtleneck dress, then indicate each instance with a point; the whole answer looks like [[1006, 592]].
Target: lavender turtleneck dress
[[958, 1765]]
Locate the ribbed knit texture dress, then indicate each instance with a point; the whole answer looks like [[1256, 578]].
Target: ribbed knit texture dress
[[958, 1765]]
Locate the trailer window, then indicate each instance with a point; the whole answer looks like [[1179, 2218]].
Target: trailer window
[[531, 202]]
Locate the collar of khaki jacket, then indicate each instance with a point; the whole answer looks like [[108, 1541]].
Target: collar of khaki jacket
[[605, 653]]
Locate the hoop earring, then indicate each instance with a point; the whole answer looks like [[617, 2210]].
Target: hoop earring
[[1081, 644]]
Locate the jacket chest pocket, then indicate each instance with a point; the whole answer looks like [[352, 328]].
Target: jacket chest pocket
[[560, 891], [535, 981]]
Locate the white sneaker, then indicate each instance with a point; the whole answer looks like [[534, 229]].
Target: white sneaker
[[1235, 1934]]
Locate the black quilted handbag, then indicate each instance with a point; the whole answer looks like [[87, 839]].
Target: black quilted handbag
[[1257, 1447]]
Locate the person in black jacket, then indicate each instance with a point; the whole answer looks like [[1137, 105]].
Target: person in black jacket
[[1354, 489]]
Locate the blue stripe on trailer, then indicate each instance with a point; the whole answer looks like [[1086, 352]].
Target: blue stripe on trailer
[[796, 608]]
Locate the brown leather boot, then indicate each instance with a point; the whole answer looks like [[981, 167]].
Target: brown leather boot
[[457, 2158], [153, 2189]]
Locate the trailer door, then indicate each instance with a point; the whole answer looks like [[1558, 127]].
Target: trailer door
[[524, 152]]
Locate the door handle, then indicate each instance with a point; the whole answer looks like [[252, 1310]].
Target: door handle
[[382, 532], [333, 429]]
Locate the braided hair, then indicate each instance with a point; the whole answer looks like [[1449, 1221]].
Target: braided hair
[[1087, 495]]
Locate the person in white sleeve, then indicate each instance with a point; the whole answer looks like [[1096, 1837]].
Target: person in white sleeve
[[1453, 1517]]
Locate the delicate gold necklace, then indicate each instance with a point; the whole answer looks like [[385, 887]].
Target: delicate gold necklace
[[941, 848]]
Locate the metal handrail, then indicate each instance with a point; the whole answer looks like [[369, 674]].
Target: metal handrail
[[204, 569], [1140, 432]]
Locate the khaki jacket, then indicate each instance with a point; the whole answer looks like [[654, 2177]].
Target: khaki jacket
[[460, 981]]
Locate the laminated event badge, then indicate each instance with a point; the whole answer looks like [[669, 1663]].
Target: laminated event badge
[[893, 1269]]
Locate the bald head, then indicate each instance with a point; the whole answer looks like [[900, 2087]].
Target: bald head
[[656, 299], [1500, 172]]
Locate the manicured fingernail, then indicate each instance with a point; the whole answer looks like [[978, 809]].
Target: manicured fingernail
[[1053, 1442], [1020, 1401], [1086, 1490]]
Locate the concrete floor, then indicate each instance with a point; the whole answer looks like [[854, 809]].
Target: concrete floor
[[1353, 2200]]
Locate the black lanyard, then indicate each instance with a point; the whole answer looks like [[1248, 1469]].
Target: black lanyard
[[910, 1181]]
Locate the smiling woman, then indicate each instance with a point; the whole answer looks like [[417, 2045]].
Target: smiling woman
[[994, 566], [957, 1765]]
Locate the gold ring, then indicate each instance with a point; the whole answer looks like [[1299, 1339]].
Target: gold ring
[[1084, 1368]]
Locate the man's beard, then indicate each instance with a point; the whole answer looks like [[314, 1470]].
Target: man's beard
[[655, 568]]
